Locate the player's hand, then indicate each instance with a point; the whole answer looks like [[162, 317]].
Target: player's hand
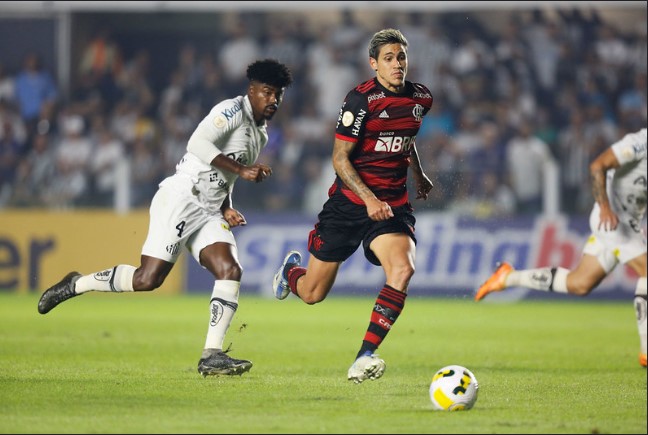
[[608, 220], [378, 210], [233, 217], [423, 187], [257, 172]]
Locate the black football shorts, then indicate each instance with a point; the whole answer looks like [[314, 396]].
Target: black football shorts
[[343, 225]]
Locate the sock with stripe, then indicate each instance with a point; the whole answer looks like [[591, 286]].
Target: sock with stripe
[[222, 307], [115, 279], [387, 308], [545, 279]]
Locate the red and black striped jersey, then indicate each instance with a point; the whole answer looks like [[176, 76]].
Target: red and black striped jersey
[[383, 125]]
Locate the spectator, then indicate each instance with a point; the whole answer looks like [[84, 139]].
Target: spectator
[[145, 172], [18, 129], [35, 174], [574, 157], [73, 154], [108, 156], [7, 86], [134, 82], [527, 158], [101, 63], [239, 49], [36, 95], [10, 150]]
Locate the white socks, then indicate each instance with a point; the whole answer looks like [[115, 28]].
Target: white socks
[[545, 279], [222, 306], [116, 279], [640, 309]]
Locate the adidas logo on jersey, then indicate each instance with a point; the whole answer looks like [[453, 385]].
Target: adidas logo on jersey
[[383, 114]]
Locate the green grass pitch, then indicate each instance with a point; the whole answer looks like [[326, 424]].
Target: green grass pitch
[[126, 363]]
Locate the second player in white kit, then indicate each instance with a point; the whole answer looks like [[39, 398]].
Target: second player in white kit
[[193, 209], [619, 180]]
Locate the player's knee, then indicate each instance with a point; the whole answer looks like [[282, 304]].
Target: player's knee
[[313, 296], [581, 287], [147, 281], [227, 271], [311, 299], [403, 273], [232, 272]]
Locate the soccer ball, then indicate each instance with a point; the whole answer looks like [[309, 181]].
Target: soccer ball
[[453, 388]]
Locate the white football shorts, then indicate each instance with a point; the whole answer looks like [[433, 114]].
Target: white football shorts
[[179, 219], [613, 247]]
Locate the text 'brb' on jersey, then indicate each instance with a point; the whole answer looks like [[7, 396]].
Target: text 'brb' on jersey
[[383, 125]]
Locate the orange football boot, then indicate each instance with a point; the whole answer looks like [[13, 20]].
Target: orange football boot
[[496, 282], [642, 359]]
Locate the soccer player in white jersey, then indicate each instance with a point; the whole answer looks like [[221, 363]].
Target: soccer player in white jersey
[[619, 189], [193, 209]]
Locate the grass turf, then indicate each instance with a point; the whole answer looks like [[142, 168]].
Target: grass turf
[[107, 363]]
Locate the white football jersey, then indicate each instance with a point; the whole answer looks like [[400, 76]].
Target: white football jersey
[[626, 185], [231, 128]]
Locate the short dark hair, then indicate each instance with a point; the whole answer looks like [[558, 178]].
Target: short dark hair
[[383, 37], [270, 72]]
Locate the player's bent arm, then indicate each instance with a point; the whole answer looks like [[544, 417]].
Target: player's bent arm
[[228, 164], [423, 183], [201, 144], [344, 168], [608, 220], [598, 169], [376, 209], [257, 172]]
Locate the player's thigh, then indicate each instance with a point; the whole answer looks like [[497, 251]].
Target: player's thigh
[[638, 264], [624, 243], [587, 274], [214, 230], [221, 259]]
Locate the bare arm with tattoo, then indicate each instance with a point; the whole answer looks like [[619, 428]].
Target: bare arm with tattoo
[[598, 169], [376, 209]]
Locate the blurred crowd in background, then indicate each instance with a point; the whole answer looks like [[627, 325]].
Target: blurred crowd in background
[[539, 89]]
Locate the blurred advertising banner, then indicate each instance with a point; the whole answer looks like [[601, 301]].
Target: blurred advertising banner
[[454, 255], [37, 248]]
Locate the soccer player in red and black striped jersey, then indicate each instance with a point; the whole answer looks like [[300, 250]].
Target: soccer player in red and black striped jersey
[[368, 204]]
